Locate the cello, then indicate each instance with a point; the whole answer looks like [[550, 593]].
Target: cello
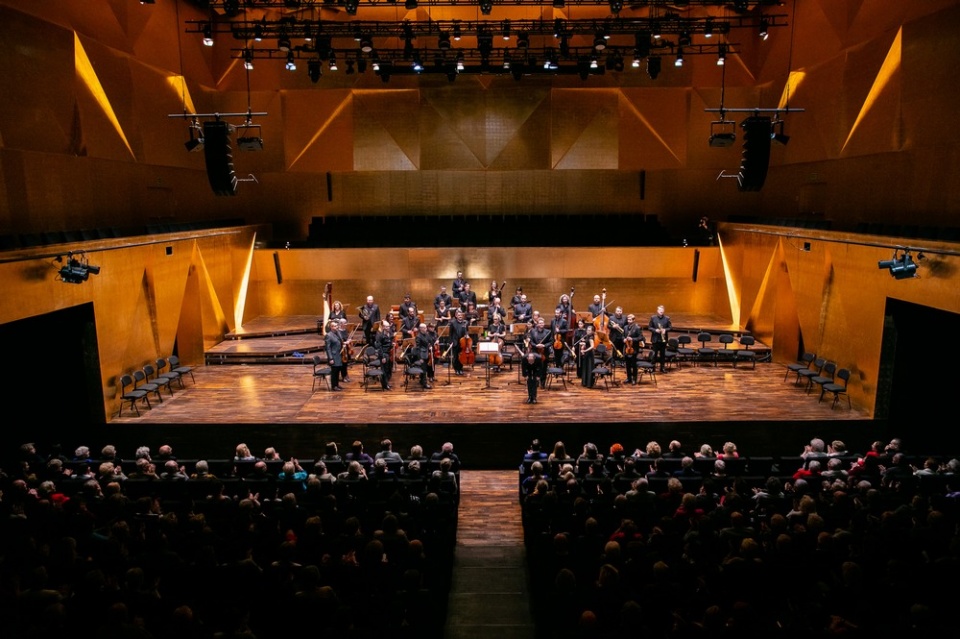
[[467, 357]]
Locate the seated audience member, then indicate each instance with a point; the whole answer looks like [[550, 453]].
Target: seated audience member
[[387, 453], [534, 453], [446, 452]]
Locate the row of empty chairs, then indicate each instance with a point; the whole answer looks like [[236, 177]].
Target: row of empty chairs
[[811, 371], [137, 386], [680, 349]]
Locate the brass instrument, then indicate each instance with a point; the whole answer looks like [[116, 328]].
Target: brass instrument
[[364, 313]]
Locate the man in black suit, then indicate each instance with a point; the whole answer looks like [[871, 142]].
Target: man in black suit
[[659, 326], [370, 317], [333, 342]]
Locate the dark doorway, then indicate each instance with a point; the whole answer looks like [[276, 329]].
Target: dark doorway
[[53, 371], [913, 387]]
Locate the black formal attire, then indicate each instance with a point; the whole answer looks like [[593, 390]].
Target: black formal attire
[[496, 310], [369, 317], [409, 325], [442, 297], [443, 316], [334, 346], [457, 286], [497, 332], [405, 307], [587, 361], [596, 309], [384, 345], [559, 325], [616, 336], [522, 312], [336, 315], [541, 340], [579, 337], [467, 297], [659, 327], [634, 333], [458, 330], [515, 300], [424, 356], [531, 372], [567, 312], [344, 371]]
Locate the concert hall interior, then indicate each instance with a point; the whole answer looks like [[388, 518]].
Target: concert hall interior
[[192, 183]]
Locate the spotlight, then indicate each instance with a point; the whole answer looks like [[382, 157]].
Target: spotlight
[[902, 267], [444, 40], [248, 59], [486, 7], [283, 43], [333, 62], [291, 62], [506, 29], [366, 43], [457, 33], [410, 5], [708, 28], [721, 55], [351, 6], [76, 269], [615, 5], [723, 133], [523, 40], [779, 136], [195, 143], [599, 41], [764, 28], [679, 61], [207, 35]]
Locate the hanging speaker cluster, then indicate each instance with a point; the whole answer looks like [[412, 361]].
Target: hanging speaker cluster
[[218, 153], [755, 158]]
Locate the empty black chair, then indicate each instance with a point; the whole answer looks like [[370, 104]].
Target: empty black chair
[[140, 382], [837, 388], [803, 363], [163, 382], [320, 372], [176, 367], [726, 354], [132, 396], [171, 375], [744, 354], [601, 372], [825, 376], [807, 374], [685, 352], [706, 353]]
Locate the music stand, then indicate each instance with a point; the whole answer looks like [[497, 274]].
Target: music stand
[[488, 349]]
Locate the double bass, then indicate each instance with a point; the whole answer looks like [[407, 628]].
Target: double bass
[[601, 323], [467, 357]]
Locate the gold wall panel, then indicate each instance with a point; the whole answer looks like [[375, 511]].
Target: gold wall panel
[[150, 294], [831, 297], [637, 279]]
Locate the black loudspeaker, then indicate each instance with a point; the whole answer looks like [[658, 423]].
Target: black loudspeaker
[[756, 152], [643, 184], [276, 265], [696, 263], [218, 153], [329, 187]]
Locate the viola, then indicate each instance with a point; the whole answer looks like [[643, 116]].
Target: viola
[[558, 344]]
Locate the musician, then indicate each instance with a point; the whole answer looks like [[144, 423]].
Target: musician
[[530, 369], [472, 315], [516, 297], [566, 309], [423, 354], [496, 309], [597, 307], [406, 305], [347, 348], [617, 322], [384, 343], [410, 323], [467, 296], [370, 318], [444, 314], [337, 312], [458, 330], [458, 284], [444, 297], [632, 343], [579, 335], [540, 339], [659, 326], [494, 292], [333, 344], [497, 331], [586, 357], [523, 310], [559, 329]]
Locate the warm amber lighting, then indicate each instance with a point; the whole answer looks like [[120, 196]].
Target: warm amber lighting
[[89, 77], [887, 70]]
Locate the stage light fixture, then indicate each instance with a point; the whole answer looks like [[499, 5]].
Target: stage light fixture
[[679, 61], [486, 7], [764, 28], [721, 55], [76, 268], [248, 59], [291, 62], [902, 267], [444, 40], [777, 134], [207, 35], [314, 70]]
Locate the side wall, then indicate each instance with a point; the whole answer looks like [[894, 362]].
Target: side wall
[[824, 291]]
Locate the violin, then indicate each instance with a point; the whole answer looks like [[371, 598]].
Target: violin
[[558, 344], [628, 347]]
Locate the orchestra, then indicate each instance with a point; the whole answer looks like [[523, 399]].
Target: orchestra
[[566, 340]]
